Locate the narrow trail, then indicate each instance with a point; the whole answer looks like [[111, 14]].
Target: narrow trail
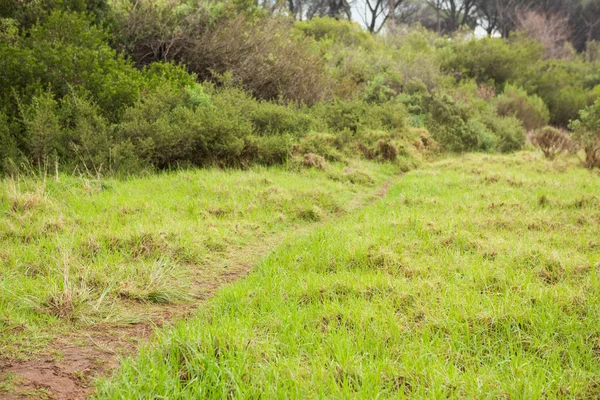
[[68, 367]]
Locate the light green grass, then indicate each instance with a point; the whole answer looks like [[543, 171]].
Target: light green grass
[[477, 277], [76, 252]]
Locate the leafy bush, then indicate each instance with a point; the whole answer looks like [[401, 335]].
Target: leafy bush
[[87, 136], [67, 50], [260, 52], [8, 146], [357, 115], [530, 110], [341, 31], [42, 128], [323, 144], [448, 124], [509, 132], [586, 130], [551, 141], [491, 60]]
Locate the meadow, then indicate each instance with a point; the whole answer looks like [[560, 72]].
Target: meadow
[[77, 251], [475, 277]]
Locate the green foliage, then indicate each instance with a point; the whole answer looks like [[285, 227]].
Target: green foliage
[[448, 122], [491, 60], [586, 130], [66, 50], [530, 110], [87, 136], [348, 33], [8, 146], [42, 128], [357, 115], [28, 13], [509, 132]]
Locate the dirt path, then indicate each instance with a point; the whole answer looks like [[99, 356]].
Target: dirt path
[[67, 369]]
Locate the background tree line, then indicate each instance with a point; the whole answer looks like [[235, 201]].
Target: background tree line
[[580, 19]]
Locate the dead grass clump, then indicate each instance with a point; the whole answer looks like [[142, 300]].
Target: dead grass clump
[[312, 160], [21, 201]]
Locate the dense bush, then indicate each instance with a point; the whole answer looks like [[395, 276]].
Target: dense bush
[[67, 50], [530, 110], [244, 86], [586, 130], [448, 122], [259, 51], [491, 60]]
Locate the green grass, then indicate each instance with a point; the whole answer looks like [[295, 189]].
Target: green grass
[[76, 252], [476, 277]]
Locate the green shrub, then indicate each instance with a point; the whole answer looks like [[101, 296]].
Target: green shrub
[[342, 31], [67, 50], [87, 135], [357, 115], [509, 132], [530, 110], [270, 118], [491, 60], [8, 145], [322, 144], [163, 129], [448, 124], [266, 150], [42, 129], [566, 103], [586, 130], [486, 139]]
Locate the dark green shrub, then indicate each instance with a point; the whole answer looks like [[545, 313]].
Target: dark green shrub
[[87, 135], [491, 60], [64, 51], [270, 118], [163, 129], [8, 145], [448, 124], [28, 13], [566, 103], [357, 115], [530, 110], [509, 132], [322, 144], [42, 129], [586, 131], [266, 150]]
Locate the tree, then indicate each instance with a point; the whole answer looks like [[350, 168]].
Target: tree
[[496, 16], [329, 8], [376, 13], [552, 31], [452, 14]]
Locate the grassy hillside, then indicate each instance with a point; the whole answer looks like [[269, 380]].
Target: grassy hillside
[[476, 277], [76, 252]]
